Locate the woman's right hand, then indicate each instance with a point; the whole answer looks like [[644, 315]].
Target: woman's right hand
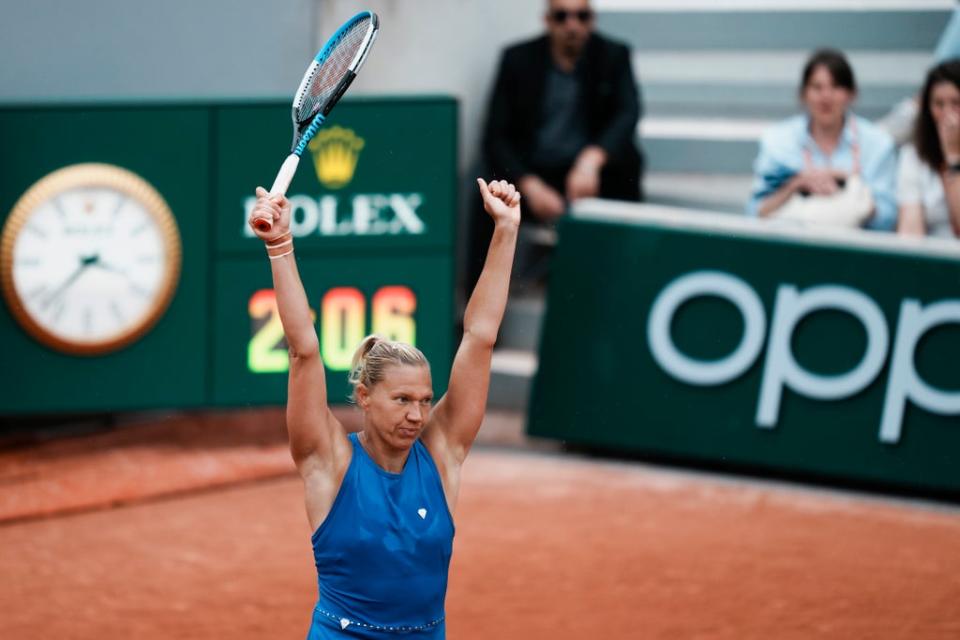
[[820, 182], [276, 209]]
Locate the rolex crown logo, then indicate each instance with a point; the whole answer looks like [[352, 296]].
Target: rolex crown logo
[[335, 153]]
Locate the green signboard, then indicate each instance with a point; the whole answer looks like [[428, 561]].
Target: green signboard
[[373, 217], [167, 147], [374, 210], [372, 178], [738, 343]]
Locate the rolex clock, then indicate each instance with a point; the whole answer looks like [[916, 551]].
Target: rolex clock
[[89, 259]]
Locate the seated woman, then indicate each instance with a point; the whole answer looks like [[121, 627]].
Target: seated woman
[[818, 153], [928, 184]]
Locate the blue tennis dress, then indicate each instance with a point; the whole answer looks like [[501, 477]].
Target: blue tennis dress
[[383, 552]]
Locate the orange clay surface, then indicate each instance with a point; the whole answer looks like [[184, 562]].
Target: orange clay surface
[[548, 546]]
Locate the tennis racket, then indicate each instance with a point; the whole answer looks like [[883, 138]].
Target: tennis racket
[[326, 80]]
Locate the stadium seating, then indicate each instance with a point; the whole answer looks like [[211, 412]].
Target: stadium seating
[[713, 79], [714, 75]]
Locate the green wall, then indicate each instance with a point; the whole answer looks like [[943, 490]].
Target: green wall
[[393, 233], [601, 383]]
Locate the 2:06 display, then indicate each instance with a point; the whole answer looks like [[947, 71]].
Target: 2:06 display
[[343, 324]]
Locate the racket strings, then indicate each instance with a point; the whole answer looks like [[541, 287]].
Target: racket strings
[[333, 69]]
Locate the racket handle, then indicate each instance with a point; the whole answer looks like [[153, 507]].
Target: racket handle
[[280, 185], [285, 175]]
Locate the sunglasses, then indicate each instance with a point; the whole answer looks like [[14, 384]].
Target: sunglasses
[[560, 15]]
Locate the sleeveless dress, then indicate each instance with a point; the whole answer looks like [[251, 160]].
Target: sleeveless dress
[[383, 552]]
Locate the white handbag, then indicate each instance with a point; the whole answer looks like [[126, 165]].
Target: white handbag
[[849, 207]]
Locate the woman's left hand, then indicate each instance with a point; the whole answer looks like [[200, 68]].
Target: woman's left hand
[[501, 200]]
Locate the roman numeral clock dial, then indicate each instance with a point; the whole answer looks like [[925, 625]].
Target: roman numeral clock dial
[[89, 259]]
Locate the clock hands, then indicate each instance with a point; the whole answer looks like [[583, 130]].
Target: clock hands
[[107, 266], [93, 260], [85, 262]]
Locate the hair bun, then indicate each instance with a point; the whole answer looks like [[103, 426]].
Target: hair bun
[[374, 354], [368, 343], [357, 364]]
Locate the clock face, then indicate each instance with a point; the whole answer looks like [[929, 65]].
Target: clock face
[[90, 258]]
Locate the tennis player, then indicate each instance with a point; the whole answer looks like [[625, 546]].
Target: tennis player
[[380, 502]]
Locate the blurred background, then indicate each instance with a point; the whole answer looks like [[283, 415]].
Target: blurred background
[[195, 95], [675, 335]]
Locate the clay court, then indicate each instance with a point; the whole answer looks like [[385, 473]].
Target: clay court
[[194, 528]]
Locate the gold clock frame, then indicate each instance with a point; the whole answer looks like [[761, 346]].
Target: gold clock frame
[[92, 175]]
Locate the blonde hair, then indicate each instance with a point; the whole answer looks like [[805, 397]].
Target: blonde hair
[[375, 354]]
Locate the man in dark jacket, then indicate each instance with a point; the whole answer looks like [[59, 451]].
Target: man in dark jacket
[[562, 117]]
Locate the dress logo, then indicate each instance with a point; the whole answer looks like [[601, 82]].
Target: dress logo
[[422, 513]]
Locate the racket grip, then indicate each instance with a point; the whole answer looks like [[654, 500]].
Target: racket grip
[[280, 185], [285, 175]]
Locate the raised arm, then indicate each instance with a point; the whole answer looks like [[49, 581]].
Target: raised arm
[[458, 415], [313, 430]]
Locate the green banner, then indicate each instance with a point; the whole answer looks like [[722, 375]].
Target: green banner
[[737, 343], [107, 207], [370, 179], [169, 148]]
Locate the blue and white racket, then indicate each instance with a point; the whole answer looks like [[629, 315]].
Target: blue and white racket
[[326, 80]]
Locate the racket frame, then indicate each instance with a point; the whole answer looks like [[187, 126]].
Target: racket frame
[[303, 131]]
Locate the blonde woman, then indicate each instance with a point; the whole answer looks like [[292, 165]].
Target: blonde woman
[[380, 502]]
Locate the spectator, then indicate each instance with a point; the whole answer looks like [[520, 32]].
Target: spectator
[[928, 183], [900, 120], [828, 151], [562, 118]]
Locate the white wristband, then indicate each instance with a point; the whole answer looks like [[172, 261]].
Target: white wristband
[[277, 257], [279, 244]]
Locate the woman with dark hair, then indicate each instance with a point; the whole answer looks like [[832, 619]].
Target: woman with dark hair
[[819, 152], [928, 183]]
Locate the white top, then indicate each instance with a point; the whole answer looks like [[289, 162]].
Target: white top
[[918, 184]]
